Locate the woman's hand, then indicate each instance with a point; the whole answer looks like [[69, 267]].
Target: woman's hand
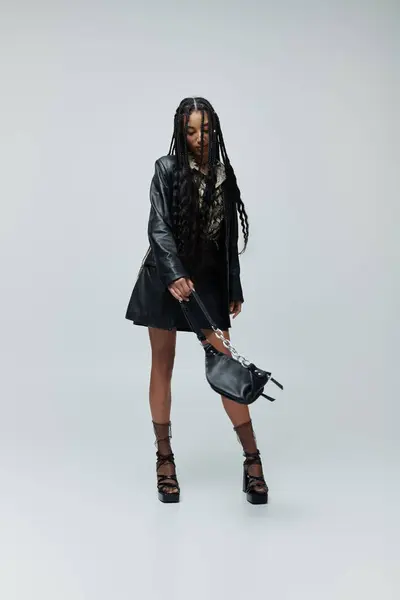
[[235, 308], [181, 288]]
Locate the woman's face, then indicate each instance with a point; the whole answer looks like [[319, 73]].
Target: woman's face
[[194, 134]]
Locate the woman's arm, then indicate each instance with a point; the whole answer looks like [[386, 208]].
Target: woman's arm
[[162, 241]]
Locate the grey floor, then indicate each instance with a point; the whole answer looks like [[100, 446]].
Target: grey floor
[[80, 518]]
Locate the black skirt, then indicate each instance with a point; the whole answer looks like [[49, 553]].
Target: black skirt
[[210, 281], [209, 275]]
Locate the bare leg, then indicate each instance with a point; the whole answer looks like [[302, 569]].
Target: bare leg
[[162, 363], [239, 415]]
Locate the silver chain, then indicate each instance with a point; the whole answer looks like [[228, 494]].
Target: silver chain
[[235, 354]]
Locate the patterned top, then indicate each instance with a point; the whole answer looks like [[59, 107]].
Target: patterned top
[[216, 209]]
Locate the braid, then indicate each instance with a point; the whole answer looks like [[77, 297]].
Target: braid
[[187, 220], [244, 219]]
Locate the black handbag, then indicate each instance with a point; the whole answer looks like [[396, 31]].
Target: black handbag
[[231, 376]]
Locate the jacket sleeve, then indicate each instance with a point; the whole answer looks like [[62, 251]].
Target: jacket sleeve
[[162, 242], [235, 286]]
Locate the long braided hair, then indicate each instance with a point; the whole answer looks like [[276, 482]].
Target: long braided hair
[[188, 221]]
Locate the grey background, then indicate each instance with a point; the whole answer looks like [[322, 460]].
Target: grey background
[[308, 98]]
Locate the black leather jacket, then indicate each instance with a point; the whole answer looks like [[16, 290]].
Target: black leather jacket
[[162, 242], [162, 253]]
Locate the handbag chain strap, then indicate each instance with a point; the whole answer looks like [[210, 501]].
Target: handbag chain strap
[[218, 332], [220, 335], [235, 354]]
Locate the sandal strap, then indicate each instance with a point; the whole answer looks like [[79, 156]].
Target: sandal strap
[[162, 477], [254, 482], [167, 481], [252, 458], [163, 459]]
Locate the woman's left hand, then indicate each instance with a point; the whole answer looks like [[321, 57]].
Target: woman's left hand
[[235, 308]]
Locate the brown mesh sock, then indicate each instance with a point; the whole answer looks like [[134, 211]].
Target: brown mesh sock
[[165, 467], [247, 438], [163, 435]]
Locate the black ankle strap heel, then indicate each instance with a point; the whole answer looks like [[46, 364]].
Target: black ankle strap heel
[[167, 483], [254, 486]]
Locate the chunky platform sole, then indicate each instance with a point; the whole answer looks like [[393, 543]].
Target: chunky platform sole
[[168, 498]]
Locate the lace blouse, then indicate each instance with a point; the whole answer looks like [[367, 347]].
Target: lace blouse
[[215, 211]]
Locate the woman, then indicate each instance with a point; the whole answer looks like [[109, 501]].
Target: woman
[[193, 234]]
